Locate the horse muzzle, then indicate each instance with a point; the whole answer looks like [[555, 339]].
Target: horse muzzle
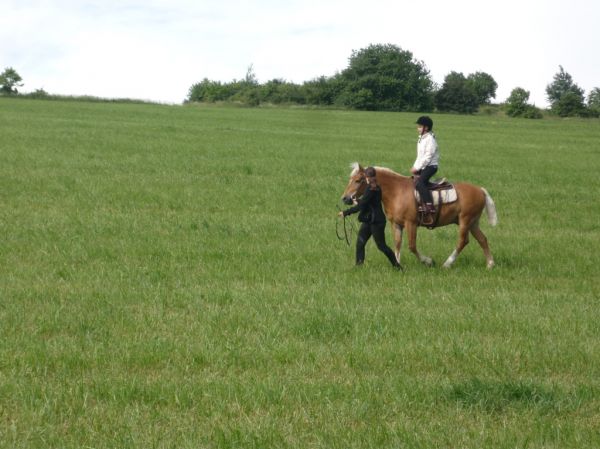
[[348, 200]]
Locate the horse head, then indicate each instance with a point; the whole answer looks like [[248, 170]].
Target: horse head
[[356, 185]]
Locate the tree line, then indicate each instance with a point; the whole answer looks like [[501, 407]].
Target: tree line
[[381, 77], [384, 77]]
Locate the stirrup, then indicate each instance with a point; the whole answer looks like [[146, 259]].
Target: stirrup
[[428, 209]]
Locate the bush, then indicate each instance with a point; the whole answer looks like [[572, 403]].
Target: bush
[[532, 112], [39, 94], [323, 90], [210, 91], [278, 91]]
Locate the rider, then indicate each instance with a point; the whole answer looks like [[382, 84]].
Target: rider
[[372, 218], [428, 157]]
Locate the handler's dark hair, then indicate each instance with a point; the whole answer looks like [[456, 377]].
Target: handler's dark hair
[[371, 173]]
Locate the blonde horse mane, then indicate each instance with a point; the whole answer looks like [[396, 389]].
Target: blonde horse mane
[[355, 167]]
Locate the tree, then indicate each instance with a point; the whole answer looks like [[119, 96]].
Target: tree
[[9, 81], [517, 105], [517, 102], [565, 97], [250, 78], [456, 95], [385, 77], [593, 103], [483, 85], [570, 104]]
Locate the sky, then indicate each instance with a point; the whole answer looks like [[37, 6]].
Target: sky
[[156, 49]]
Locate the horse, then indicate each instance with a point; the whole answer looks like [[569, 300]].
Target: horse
[[400, 207]]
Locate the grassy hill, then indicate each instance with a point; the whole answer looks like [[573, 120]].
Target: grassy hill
[[170, 277]]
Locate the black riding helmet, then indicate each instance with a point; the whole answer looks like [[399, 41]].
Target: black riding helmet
[[425, 121]]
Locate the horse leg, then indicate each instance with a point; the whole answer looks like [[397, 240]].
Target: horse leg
[[411, 228], [463, 239], [482, 240], [398, 239]]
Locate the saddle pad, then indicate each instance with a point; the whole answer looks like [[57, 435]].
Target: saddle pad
[[448, 196]]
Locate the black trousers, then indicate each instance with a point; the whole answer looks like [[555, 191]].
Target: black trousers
[[377, 231], [424, 176]]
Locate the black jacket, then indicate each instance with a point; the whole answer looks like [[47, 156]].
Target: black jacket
[[369, 207]]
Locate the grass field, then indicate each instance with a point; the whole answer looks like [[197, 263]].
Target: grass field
[[170, 277]]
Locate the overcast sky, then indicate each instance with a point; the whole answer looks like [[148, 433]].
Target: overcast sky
[[156, 49]]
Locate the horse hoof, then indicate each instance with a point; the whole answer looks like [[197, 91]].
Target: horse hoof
[[491, 265]]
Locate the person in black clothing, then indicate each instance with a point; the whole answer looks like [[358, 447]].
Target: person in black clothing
[[372, 220]]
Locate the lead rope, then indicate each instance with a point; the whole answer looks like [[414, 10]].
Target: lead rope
[[347, 235]]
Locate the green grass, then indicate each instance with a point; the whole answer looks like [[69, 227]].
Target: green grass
[[170, 277]]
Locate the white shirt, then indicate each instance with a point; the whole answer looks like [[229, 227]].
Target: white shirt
[[427, 152]]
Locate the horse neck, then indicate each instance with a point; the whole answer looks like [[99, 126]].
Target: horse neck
[[391, 182]]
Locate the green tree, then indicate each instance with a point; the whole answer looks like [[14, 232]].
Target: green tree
[[484, 86], [565, 97], [570, 104], [456, 95], [517, 102], [593, 102], [517, 105], [250, 78], [385, 77], [9, 81]]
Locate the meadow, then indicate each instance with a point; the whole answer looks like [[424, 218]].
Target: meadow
[[170, 277]]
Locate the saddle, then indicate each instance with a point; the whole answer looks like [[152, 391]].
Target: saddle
[[442, 192], [439, 184]]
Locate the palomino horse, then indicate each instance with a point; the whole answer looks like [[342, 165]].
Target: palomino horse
[[400, 207]]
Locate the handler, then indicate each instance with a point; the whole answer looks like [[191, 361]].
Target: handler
[[372, 218]]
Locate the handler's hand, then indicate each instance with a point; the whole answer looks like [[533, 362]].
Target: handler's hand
[[341, 213], [414, 171]]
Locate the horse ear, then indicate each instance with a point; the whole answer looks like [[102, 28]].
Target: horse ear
[[356, 167]]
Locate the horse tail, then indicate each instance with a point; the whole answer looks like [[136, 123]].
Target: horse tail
[[490, 207]]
